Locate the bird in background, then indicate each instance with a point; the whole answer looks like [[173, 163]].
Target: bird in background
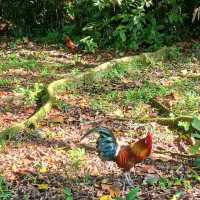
[[70, 44], [125, 155]]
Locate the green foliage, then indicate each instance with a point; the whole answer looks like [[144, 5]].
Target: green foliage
[[2, 145], [77, 157], [164, 183], [68, 194], [184, 125], [112, 96], [51, 37], [151, 180], [196, 123], [146, 92], [63, 106], [31, 94], [5, 82], [26, 196], [120, 24], [89, 45], [132, 24], [98, 104], [45, 72], [173, 54], [58, 37], [5, 193], [197, 162], [133, 194], [117, 72], [33, 16], [14, 61]]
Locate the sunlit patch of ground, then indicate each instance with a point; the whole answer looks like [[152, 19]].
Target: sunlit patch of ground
[[41, 164]]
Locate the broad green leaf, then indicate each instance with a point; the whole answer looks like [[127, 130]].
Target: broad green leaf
[[196, 123], [133, 194], [195, 149], [197, 162], [152, 181], [68, 194], [185, 125], [196, 135]]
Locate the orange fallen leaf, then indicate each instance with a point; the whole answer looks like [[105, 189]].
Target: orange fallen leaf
[[24, 171], [29, 110], [114, 190], [57, 119]]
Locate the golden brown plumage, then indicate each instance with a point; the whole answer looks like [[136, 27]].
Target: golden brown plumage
[[70, 44], [134, 153]]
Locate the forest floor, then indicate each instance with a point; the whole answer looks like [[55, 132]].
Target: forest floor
[[47, 163]]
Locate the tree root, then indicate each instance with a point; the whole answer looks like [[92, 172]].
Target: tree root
[[172, 122]]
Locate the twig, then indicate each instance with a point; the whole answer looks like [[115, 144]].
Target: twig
[[195, 76]]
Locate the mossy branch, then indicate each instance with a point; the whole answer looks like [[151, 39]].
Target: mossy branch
[[167, 121]]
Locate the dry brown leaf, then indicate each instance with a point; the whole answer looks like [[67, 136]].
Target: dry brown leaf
[[94, 171], [24, 171], [148, 169], [29, 110], [57, 119]]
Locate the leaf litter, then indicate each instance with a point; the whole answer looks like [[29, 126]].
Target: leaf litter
[[39, 163]]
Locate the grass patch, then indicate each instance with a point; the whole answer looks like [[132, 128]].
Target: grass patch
[[14, 61], [5, 82], [144, 93], [5, 192], [188, 104], [76, 157], [31, 94]]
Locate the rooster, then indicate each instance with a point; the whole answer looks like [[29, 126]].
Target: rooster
[[70, 44], [125, 155]]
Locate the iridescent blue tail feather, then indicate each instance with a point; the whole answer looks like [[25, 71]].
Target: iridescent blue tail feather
[[106, 143]]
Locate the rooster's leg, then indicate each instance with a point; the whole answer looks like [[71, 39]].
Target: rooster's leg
[[110, 165], [133, 170], [128, 178]]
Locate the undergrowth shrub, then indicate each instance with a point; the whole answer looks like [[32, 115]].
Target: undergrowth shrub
[[119, 24]]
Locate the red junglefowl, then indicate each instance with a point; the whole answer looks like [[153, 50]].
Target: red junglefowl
[[70, 44], [126, 156]]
